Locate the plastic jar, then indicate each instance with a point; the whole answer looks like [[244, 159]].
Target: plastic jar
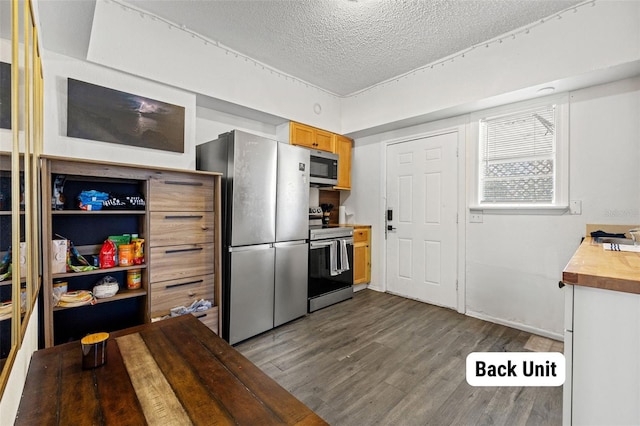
[[134, 279], [125, 254]]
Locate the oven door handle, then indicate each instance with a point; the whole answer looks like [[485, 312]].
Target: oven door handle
[[321, 244], [315, 245]]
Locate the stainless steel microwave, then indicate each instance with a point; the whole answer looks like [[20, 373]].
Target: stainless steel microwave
[[323, 168]]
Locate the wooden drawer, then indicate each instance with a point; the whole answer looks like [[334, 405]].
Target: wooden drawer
[[180, 192], [361, 235], [170, 228], [209, 318], [180, 261], [169, 294]]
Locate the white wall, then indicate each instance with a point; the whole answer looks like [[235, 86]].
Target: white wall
[[57, 68], [211, 123], [592, 40], [514, 262]]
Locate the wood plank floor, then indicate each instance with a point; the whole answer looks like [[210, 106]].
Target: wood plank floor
[[382, 359]]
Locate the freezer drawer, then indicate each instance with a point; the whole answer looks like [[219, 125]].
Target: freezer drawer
[[251, 292], [290, 282]]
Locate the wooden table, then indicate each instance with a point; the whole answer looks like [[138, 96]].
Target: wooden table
[[172, 372]]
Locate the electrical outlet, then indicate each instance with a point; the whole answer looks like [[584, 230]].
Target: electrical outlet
[[475, 217]]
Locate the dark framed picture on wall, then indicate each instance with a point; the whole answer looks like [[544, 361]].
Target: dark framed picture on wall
[[5, 95], [102, 114]]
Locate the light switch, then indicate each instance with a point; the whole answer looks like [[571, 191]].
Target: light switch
[[575, 206]]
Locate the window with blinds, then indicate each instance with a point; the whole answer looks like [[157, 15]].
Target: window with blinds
[[517, 155]]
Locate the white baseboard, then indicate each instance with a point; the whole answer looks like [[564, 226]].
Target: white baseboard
[[369, 286], [517, 326], [359, 287]]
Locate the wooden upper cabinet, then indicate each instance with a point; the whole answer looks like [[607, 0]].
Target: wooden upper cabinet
[[310, 137], [302, 135], [342, 147], [324, 140]]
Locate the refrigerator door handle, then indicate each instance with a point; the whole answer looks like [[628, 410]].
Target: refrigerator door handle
[[250, 248]]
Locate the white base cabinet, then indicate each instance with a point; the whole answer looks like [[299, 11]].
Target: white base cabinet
[[602, 384]]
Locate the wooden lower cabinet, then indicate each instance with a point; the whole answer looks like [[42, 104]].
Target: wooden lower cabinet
[[209, 318], [184, 244], [181, 292], [361, 254], [180, 225], [181, 261], [168, 228]]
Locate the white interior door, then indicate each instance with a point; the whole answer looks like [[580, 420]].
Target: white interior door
[[422, 196]]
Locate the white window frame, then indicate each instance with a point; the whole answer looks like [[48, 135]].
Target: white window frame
[[560, 203]]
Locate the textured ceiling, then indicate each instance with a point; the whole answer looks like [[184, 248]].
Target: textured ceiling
[[344, 46]]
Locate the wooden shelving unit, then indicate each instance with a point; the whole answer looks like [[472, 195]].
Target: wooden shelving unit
[[88, 230], [121, 295]]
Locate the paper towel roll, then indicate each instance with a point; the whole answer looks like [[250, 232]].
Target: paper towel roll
[[342, 215]]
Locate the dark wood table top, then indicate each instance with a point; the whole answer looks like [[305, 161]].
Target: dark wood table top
[[175, 371]]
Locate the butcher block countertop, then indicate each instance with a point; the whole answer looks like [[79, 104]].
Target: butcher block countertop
[[171, 372], [592, 266], [349, 225]]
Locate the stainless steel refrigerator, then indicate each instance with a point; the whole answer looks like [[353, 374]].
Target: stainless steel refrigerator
[[265, 223]]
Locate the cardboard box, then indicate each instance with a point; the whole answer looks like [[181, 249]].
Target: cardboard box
[[59, 256]]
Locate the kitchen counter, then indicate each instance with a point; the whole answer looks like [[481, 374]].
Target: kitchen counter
[[592, 266], [348, 225], [175, 371], [602, 334]]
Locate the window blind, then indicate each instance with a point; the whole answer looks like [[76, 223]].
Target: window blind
[[517, 157]]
